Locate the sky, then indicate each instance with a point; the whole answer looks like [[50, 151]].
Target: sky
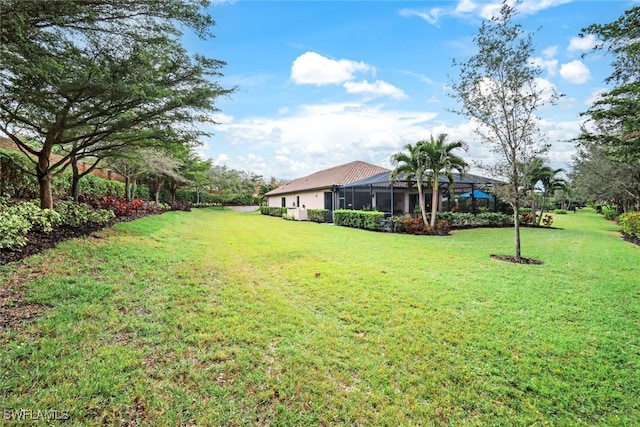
[[322, 83]]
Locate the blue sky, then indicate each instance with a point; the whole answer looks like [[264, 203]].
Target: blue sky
[[325, 83]]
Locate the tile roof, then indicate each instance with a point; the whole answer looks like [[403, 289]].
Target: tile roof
[[337, 175]]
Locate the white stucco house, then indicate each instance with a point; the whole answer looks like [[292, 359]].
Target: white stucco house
[[320, 189]]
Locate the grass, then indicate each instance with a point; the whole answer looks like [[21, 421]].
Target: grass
[[222, 318]]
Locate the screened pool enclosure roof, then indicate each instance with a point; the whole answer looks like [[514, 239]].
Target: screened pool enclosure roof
[[384, 180]]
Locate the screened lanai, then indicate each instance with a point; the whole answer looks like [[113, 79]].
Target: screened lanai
[[395, 198]]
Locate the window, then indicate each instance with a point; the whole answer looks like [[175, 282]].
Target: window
[[284, 202]]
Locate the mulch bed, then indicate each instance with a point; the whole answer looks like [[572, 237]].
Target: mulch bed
[[522, 260]]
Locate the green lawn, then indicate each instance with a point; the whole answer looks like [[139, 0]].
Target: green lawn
[[223, 318]]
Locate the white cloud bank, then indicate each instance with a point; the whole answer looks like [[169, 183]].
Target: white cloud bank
[[575, 72], [315, 69]]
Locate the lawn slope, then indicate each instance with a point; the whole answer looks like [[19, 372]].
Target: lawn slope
[[224, 318]]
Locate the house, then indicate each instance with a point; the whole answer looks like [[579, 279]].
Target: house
[[360, 185], [400, 196], [320, 189]]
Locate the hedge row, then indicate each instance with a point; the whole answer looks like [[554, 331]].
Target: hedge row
[[272, 211], [630, 223], [486, 219], [367, 220], [318, 215]]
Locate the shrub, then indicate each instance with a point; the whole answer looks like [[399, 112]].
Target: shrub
[[560, 211], [547, 220], [121, 208], [486, 219], [76, 214], [272, 211], [494, 219], [318, 215], [610, 212], [630, 223], [368, 220], [415, 225], [13, 230]]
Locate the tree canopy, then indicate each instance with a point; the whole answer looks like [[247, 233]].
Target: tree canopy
[[498, 91], [109, 74]]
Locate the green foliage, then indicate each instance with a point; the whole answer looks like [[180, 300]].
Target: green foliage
[[76, 214], [318, 215], [485, 219], [610, 212], [18, 219], [560, 211], [415, 225], [13, 229], [14, 177], [91, 185], [630, 223], [272, 211], [367, 220]]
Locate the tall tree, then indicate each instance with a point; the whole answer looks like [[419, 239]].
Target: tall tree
[[498, 90], [440, 160], [614, 118], [412, 165], [104, 67]]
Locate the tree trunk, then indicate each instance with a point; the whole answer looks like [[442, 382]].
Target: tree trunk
[[434, 201], [127, 188], [516, 230], [75, 180], [421, 201], [44, 179]]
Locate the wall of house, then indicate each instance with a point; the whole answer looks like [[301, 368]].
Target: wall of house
[[310, 200]]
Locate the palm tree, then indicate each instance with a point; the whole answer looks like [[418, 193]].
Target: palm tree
[[428, 160], [441, 161], [412, 165], [551, 182], [544, 174]]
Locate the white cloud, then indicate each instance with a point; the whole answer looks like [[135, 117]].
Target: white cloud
[[550, 51], [550, 65], [485, 10], [575, 72], [581, 44], [313, 68], [431, 16], [377, 88]]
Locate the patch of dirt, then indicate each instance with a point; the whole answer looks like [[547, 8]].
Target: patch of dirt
[[513, 259]]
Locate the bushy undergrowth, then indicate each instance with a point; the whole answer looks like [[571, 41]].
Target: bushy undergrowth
[[630, 223], [415, 225], [121, 208], [18, 219]]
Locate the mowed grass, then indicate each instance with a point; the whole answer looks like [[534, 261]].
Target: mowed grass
[[224, 318]]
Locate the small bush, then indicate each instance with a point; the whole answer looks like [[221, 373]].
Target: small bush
[[630, 223], [272, 211], [76, 214], [547, 220], [560, 212], [610, 212], [318, 215], [367, 220], [13, 230]]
